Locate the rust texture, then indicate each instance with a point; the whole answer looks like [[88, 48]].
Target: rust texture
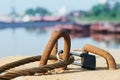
[[22, 62], [51, 44], [55, 49], [31, 71], [111, 64]]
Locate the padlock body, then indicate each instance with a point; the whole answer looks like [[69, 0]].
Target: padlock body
[[88, 61]]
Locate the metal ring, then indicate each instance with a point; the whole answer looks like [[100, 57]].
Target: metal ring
[[51, 43], [111, 64]]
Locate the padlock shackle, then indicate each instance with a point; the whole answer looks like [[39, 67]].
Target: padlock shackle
[[51, 43], [111, 64], [77, 54]]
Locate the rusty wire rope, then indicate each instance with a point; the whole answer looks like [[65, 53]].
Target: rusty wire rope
[[32, 71], [22, 62]]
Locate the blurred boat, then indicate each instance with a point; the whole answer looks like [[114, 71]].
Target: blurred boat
[[105, 28]]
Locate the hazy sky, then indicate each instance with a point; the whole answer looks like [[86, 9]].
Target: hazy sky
[[52, 5]]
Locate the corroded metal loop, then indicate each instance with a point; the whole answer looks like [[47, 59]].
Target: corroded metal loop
[[55, 49], [111, 64], [51, 43]]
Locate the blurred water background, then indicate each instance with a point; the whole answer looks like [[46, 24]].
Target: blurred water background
[[32, 42], [28, 33]]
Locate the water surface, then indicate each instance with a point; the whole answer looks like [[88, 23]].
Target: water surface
[[22, 41]]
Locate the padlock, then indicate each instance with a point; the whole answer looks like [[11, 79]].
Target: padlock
[[88, 61]]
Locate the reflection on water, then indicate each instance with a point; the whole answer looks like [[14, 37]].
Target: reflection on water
[[108, 40], [27, 41]]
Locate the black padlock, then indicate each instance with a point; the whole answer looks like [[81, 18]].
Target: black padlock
[[88, 61]]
